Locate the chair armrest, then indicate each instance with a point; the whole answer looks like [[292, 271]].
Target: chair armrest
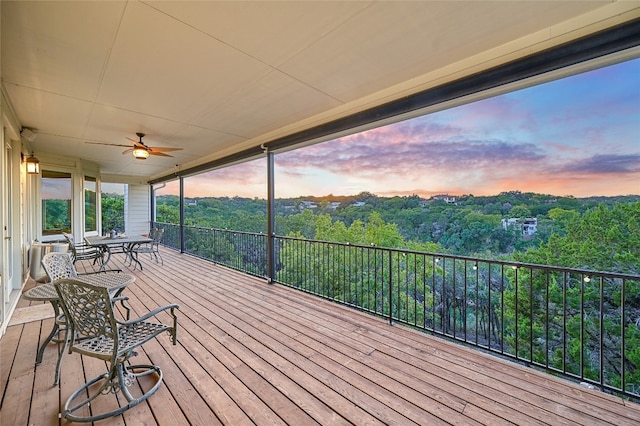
[[122, 299], [100, 272], [156, 311]]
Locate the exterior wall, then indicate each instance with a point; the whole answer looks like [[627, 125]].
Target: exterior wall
[[12, 180], [20, 206], [136, 209]]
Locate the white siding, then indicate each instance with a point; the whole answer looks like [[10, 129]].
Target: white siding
[[136, 209]]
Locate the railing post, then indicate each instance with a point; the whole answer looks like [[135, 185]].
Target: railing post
[[390, 287], [270, 218], [152, 207], [182, 230]]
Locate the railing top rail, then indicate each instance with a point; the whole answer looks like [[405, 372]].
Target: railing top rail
[[231, 231]]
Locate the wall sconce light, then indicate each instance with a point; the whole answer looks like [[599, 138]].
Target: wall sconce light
[[33, 165], [141, 153]]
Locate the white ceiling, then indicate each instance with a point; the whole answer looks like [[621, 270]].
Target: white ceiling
[[215, 78]]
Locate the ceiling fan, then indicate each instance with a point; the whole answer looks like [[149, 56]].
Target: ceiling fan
[[139, 149]]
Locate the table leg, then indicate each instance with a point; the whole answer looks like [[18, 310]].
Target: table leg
[[132, 254], [56, 379], [54, 331], [104, 263]]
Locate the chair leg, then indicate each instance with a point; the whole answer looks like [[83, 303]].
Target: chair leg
[[117, 380], [128, 376]]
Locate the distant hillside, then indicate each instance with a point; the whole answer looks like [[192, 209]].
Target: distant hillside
[[465, 224]]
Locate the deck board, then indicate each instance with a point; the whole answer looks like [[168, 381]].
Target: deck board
[[255, 353]]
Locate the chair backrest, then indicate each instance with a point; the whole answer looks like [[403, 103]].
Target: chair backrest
[[59, 265], [72, 243], [81, 251], [157, 234], [89, 311]]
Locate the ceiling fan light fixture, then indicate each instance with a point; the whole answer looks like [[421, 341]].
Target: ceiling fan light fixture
[[141, 153]]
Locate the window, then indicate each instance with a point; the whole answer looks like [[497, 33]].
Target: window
[[56, 202], [112, 206], [90, 204]]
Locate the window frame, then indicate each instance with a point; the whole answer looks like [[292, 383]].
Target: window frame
[[52, 173], [86, 214]]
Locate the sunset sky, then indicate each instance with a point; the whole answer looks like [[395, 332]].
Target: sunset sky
[[578, 136]]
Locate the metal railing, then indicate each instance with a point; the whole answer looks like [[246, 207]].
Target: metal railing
[[243, 251], [581, 324]]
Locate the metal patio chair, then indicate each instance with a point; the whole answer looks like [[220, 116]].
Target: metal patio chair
[[83, 251], [59, 265], [96, 332], [152, 247]]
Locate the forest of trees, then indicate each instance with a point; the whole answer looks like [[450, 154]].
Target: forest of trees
[[468, 226], [112, 213], [603, 239]]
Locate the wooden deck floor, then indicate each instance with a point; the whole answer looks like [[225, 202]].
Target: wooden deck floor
[[254, 353]]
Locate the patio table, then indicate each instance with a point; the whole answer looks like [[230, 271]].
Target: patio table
[[116, 282], [118, 245]]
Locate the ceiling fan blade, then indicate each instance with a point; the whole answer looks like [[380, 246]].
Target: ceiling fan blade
[[137, 143], [160, 149], [108, 144], [160, 154]]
